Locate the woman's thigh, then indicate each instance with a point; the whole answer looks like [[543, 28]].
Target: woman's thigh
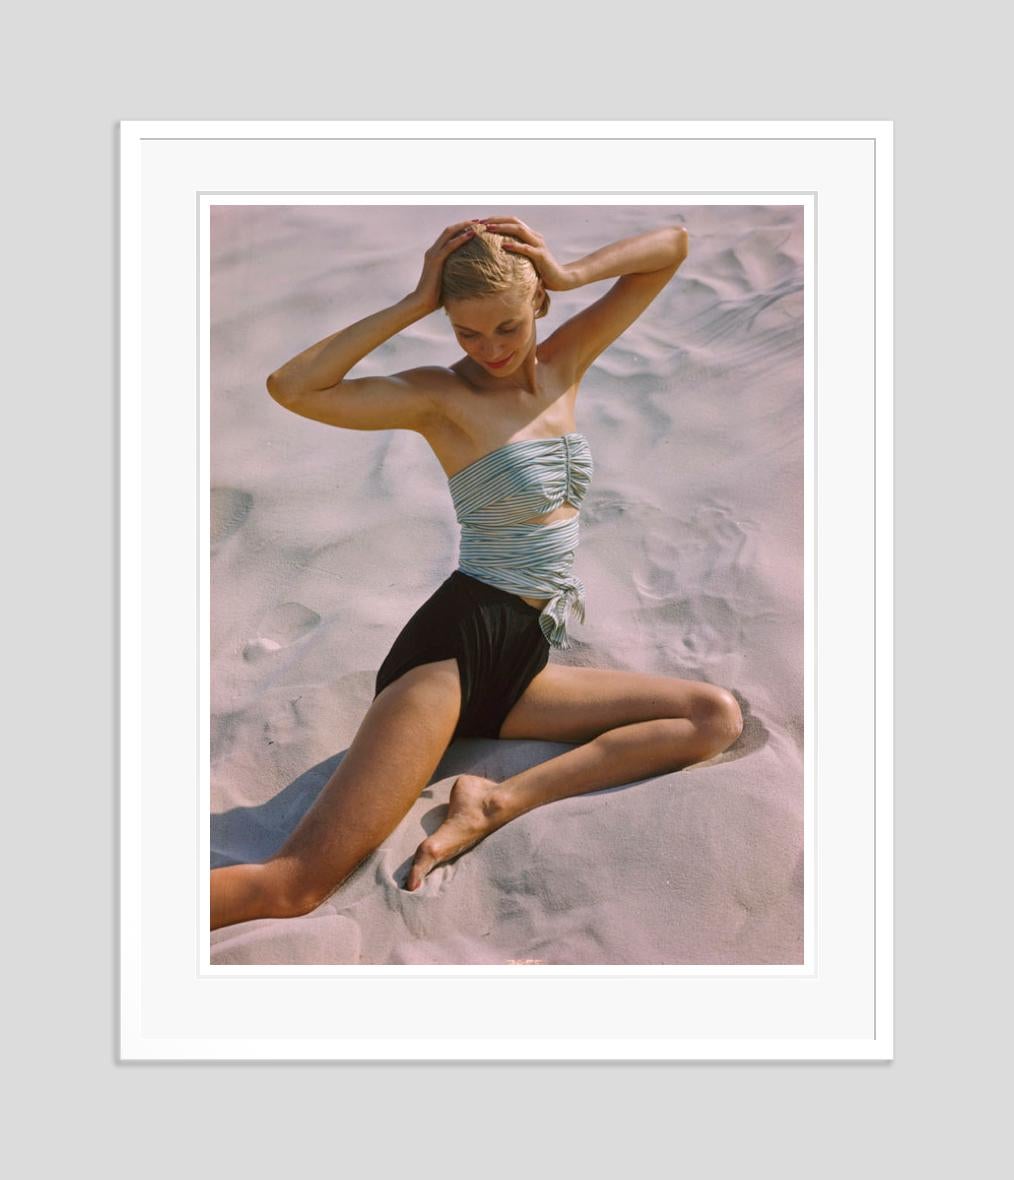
[[398, 746], [567, 704]]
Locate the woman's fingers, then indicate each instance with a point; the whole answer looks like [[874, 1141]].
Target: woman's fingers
[[453, 237], [514, 231], [459, 239], [454, 230], [507, 225], [516, 226]]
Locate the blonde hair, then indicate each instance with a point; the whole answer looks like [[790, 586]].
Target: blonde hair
[[483, 267]]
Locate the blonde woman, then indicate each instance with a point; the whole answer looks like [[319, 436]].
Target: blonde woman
[[474, 658]]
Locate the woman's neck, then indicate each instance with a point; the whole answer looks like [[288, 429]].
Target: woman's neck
[[524, 379]]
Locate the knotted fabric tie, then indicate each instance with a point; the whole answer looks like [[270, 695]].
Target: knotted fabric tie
[[557, 611]]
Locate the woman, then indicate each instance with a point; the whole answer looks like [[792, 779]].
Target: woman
[[474, 659]]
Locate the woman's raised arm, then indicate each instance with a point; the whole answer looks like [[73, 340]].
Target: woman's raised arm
[[644, 263], [324, 364], [641, 254]]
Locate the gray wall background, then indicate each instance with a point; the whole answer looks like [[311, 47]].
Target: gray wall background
[[71, 73]]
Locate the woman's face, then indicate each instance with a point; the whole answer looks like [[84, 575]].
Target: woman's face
[[497, 331]]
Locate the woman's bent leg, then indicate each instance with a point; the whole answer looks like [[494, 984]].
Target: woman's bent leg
[[393, 756]]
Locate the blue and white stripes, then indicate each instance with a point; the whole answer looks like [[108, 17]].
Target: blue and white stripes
[[492, 498]]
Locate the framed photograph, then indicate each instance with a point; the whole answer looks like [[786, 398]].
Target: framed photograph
[[505, 599]]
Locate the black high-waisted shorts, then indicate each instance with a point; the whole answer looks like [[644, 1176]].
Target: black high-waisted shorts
[[495, 637]]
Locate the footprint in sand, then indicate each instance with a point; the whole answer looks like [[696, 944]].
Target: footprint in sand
[[229, 508], [691, 581], [610, 504], [280, 628]]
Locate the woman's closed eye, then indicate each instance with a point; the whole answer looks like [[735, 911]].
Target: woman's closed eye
[[501, 331]]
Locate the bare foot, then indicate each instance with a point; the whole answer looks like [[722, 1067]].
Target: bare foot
[[471, 815]]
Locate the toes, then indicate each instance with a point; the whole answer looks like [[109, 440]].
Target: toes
[[426, 857], [459, 833]]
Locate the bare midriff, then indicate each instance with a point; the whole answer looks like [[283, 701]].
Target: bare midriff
[[564, 512]]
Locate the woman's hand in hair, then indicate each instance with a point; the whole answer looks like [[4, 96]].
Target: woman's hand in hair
[[427, 291], [520, 239]]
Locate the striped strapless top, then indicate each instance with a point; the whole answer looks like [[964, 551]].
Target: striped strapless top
[[497, 492]]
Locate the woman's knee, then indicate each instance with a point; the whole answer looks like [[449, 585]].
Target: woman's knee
[[717, 714]]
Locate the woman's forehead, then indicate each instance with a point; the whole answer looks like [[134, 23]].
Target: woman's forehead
[[491, 311]]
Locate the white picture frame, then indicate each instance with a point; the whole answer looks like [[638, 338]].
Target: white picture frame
[[837, 1005]]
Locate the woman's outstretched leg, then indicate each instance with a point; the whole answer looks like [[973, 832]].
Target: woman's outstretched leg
[[393, 756], [632, 726]]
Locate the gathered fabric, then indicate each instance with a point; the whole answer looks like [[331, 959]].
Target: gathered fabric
[[493, 497]]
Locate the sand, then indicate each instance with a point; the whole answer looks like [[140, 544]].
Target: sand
[[324, 542]]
